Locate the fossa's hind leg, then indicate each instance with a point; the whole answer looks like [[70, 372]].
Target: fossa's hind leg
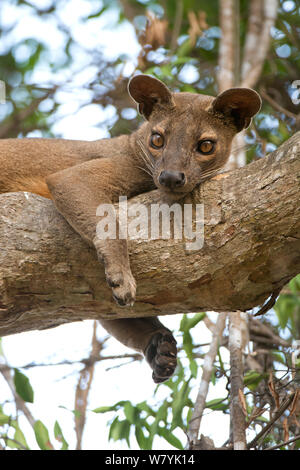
[[161, 355], [150, 337]]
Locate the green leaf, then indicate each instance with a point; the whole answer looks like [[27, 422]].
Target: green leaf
[[119, 430], [170, 438], [252, 379], [144, 407], [23, 387], [142, 440], [42, 436], [59, 436], [186, 324], [131, 413], [217, 404], [4, 419], [105, 409], [193, 368], [97, 14], [213, 376], [19, 441], [279, 357], [284, 308], [294, 284], [189, 413], [196, 319], [19, 436], [178, 404], [162, 412], [125, 430], [184, 49], [114, 430], [187, 343], [189, 322]]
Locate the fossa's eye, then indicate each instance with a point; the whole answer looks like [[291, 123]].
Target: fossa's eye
[[206, 147], [156, 140]]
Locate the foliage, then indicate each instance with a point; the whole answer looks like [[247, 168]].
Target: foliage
[[11, 434], [264, 387], [165, 416]]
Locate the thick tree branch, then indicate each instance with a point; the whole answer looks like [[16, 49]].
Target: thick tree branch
[[49, 276]]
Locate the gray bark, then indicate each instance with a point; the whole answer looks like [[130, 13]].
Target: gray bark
[[49, 276]]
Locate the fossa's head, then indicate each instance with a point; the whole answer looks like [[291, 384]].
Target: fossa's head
[[188, 136]]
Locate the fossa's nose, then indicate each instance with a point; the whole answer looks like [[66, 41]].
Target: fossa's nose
[[171, 179]]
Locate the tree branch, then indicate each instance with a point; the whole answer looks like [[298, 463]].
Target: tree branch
[[49, 276], [83, 387], [252, 41], [297, 438], [238, 422], [276, 416], [20, 404], [226, 73], [253, 62], [195, 422]]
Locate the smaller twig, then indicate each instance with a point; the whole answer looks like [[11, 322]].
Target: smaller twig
[[86, 361], [256, 412], [20, 404], [83, 387], [177, 25], [276, 416], [23, 114], [265, 334], [195, 422], [120, 365], [284, 443], [6, 438], [276, 105], [237, 400]]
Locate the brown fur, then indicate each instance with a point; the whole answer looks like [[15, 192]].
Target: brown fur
[[79, 176], [32, 185]]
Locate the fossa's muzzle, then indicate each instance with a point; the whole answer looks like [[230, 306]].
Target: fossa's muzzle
[[172, 179]]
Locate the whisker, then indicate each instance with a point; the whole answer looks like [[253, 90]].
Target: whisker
[[239, 148], [145, 154], [145, 158], [150, 168], [209, 174], [144, 169]]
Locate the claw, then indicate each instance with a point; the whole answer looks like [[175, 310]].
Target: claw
[[160, 357]]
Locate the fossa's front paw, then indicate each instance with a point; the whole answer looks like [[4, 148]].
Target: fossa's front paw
[[123, 286], [161, 354]]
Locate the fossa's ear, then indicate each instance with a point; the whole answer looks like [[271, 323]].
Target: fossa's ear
[[149, 92], [237, 104]]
